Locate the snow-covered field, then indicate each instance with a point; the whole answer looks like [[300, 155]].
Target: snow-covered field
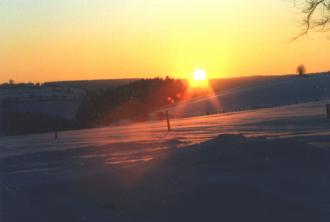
[[260, 165], [287, 121]]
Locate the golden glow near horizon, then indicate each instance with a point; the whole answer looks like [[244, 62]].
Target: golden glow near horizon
[[199, 79], [101, 39]]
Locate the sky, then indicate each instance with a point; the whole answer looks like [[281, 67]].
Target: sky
[[103, 39]]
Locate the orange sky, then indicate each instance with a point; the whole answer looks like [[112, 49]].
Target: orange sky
[[101, 39]]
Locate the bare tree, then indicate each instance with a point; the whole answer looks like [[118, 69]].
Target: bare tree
[[301, 70], [316, 15]]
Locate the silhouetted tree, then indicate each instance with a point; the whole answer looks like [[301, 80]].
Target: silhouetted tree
[[316, 15], [301, 70]]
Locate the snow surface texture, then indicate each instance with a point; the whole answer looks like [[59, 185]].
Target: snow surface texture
[[204, 170]]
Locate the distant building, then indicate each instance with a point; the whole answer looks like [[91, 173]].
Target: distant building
[[35, 99]]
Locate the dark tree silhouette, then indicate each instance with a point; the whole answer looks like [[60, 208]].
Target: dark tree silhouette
[[316, 15], [132, 101], [301, 70]]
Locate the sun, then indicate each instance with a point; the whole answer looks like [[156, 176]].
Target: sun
[[199, 79], [200, 75]]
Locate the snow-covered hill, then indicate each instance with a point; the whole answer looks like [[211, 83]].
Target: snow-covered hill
[[271, 92], [267, 164], [258, 165]]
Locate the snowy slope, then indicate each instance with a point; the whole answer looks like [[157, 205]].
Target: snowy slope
[[286, 121], [268, 164], [272, 92], [278, 171]]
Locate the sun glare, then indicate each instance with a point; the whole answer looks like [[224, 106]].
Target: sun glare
[[200, 75], [199, 79]]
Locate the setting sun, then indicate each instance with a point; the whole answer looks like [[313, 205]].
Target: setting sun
[[200, 75], [199, 79]]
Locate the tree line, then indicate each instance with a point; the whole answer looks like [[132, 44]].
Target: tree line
[[132, 101]]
